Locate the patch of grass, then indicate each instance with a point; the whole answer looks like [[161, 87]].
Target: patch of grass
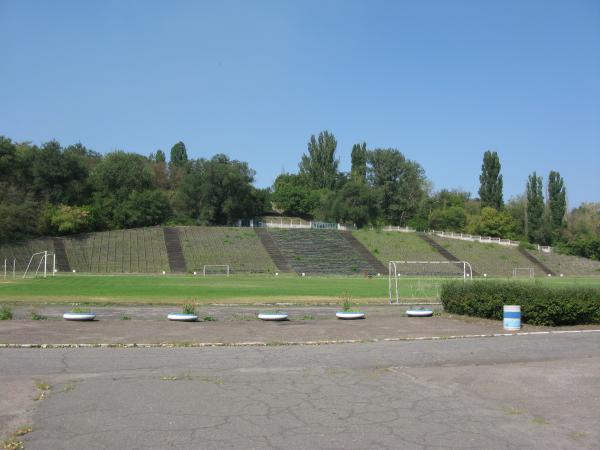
[[5, 313], [307, 317], [43, 390], [539, 420], [23, 430], [189, 308], [68, 387], [12, 443], [578, 434], [37, 316], [514, 411], [77, 308], [125, 318], [209, 318]]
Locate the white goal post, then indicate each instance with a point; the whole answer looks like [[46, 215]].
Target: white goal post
[[463, 269], [523, 272], [43, 260], [224, 269]]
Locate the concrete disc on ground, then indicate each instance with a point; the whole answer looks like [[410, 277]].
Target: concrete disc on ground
[[419, 313], [179, 317], [273, 316], [79, 316], [350, 315]]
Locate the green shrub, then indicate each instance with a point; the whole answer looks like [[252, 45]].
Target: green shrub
[[5, 313], [540, 305]]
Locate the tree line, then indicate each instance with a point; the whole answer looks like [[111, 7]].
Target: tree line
[[55, 190]]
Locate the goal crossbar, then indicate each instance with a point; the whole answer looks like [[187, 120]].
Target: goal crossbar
[[467, 274]]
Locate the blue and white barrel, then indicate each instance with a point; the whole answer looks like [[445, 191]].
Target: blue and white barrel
[[512, 317]]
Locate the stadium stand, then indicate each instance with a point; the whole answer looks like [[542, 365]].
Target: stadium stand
[[326, 252], [240, 248]]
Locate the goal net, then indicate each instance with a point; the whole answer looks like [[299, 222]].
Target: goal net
[[215, 269], [523, 272], [40, 264], [423, 279]]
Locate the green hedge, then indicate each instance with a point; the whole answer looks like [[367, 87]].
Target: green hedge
[[540, 305]]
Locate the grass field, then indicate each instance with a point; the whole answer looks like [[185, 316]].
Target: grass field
[[142, 289]]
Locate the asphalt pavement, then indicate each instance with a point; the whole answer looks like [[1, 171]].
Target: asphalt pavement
[[535, 391]]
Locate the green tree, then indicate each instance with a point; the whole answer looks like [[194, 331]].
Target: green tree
[[494, 223], [557, 203], [292, 194], [320, 166], [8, 160], [57, 176], [535, 208], [119, 174], [354, 203], [359, 162], [142, 209], [160, 156], [71, 219], [179, 156], [490, 191], [218, 191], [399, 184], [453, 218]]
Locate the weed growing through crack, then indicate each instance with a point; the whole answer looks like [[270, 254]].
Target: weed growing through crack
[[37, 316], [209, 319], [514, 411], [5, 313], [43, 390], [12, 443], [540, 420]]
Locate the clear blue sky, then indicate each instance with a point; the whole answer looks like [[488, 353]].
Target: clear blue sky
[[442, 81]]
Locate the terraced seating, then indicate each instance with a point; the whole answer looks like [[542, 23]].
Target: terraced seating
[[397, 246], [491, 259], [320, 252], [568, 265], [140, 250], [21, 252], [239, 247]]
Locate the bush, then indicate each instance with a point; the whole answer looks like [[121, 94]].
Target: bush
[[540, 305]]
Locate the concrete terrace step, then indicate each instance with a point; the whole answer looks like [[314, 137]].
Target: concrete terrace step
[[321, 252], [282, 263], [174, 250]]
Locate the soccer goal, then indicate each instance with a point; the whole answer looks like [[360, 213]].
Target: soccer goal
[[422, 279], [523, 272], [215, 269], [41, 258]]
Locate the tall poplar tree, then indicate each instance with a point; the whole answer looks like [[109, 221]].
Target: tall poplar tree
[[490, 191], [359, 162], [320, 166], [535, 207], [557, 202]]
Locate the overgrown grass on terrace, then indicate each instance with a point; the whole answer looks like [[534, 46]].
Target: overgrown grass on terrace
[[491, 259], [397, 246], [239, 247], [140, 250], [567, 264], [21, 253]]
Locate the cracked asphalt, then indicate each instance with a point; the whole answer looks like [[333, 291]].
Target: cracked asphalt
[[538, 391]]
